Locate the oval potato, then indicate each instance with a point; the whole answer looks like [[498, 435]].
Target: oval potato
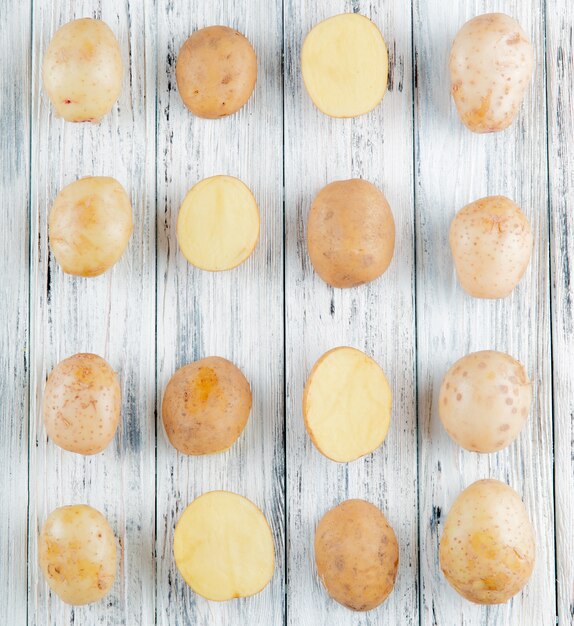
[[491, 243], [223, 547], [90, 225], [82, 70], [484, 401], [350, 233], [357, 555], [82, 402], [206, 406], [216, 71], [487, 547], [77, 554], [491, 64]]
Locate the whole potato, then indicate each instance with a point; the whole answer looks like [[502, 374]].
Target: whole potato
[[491, 65], [484, 401], [90, 225], [77, 554], [82, 70], [82, 402], [206, 406], [487, 546], [350, 233], [357, 555], [491, 245], [216, 71]]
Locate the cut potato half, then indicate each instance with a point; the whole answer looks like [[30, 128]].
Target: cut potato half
[[223, 546], [345, 65], [218, 224], [347, 404]]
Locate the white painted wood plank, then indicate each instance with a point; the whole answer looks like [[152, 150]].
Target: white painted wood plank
[[15, 39], [560, 69], [377, 318], [112, 315], [454, 167], [236, 314]]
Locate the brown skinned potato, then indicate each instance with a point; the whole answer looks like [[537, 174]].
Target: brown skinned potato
[[350, 233], [216, 71], [357, 555], [206, 406]]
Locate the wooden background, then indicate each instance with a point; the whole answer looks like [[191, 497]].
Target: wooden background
[[272, 316]]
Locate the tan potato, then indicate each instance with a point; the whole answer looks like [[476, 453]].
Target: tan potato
[[77, 554], [350, 233], [345, 65], [491, 245], [90, 225], [82, 402], [223, 547], [82, 70], [357, 555], [491, 65], [347, 404], [206, 406], [216, 71], [218, 224], [484, 401], [487, 546]]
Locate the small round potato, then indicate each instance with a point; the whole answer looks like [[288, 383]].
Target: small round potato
[[347, 404], [218, 224], [206, 406], [484, 401], [90, 225], [345, 65], [82, 402], [77, 554], [491, 65], [350, 233], [82, 70], [487, 547], [491, 245], [357, 555], [216, 71], [223, 547]]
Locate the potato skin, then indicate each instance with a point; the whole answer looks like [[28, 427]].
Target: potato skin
[[82, 70], [357, 555], [77, 554], [206, 406], [484, 401], [491, 64], [216, 71], [90, 225], [82, 402], [487, 549], [350, 233], [491, 244]]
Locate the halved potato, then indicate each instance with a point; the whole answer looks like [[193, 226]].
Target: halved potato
[[218, 224], [223, 546], [345, 65], [347, 404]]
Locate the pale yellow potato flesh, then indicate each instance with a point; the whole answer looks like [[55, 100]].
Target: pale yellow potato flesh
[[223, 546], [345, 65], [77, 554], [218, 224], [347, 404]]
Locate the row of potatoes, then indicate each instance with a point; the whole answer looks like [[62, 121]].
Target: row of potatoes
[[487, 547]]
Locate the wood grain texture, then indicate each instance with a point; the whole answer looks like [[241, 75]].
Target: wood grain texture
[[377, 318], [236, 314], [560, 92], [454, 167], [112, 315], [15, 39]]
